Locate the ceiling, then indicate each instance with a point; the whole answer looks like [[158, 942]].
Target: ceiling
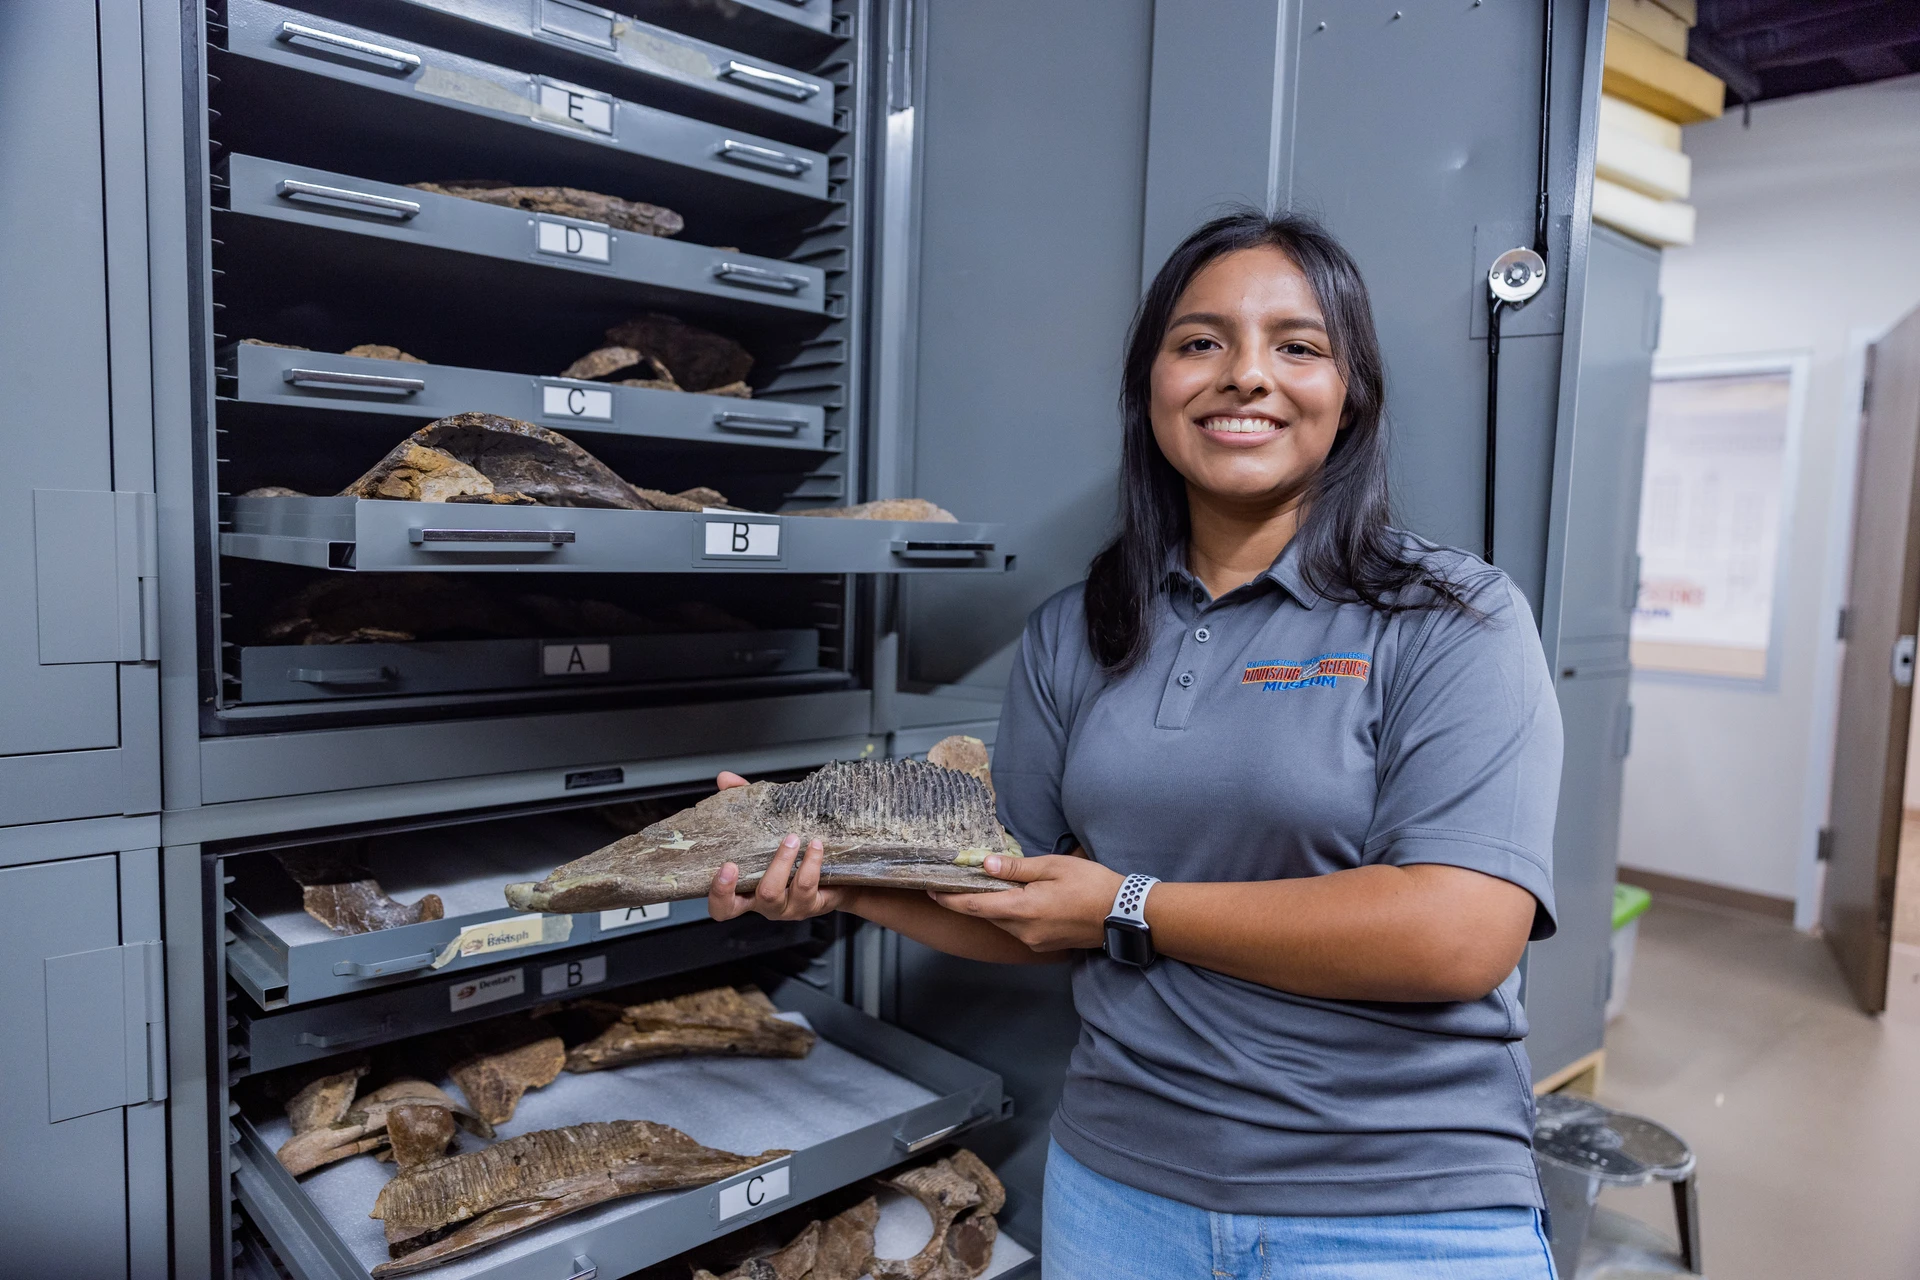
[[1777, 48]]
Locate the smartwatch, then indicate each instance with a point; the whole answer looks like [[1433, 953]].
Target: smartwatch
[[1129, 940]]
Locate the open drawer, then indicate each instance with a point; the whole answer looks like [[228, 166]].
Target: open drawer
[[868, 1096], [381, 230], [610, 50], [372, 534], [356, 384], [282, 956], [461, 113]]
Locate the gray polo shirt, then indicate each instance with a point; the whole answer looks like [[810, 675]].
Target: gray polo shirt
[[1268, 734]]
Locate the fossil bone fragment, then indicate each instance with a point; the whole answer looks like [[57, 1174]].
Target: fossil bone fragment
[[846, 1243], [274, 491], [418, 1132], [519, 1183], [497, 1064], [797, 1260], [884, 509], [567, 202], [963, 754], [512, 458], [326, 1100], [412, 472], [364, 1126], [376, 351], [699, 359], [900, 824], [601, 364], [960, 1184], [721, 1021], [338, 889]]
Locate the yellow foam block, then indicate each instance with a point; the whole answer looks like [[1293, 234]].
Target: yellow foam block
[[1643, 73], [1657, 24], [1659, 222], [1634, 162], [1618, 113]]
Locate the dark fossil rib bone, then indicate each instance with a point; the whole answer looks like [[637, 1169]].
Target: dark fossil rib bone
[[339, 891], [720, 1021], [567, 202], [900, 824], [523, 1182]]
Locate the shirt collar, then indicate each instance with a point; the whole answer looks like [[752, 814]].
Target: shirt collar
[[1285, 573]]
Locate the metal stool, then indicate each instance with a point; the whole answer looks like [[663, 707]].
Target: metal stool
[[1581, 1145]]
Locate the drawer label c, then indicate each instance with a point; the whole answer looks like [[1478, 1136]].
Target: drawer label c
[[742, 539], [505, 935], [754, 1191], [564, 240], [587, 404], [575, 659], [495, 986], [629, 917]]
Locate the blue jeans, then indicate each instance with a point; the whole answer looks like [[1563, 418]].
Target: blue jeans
[[1097, 1229]]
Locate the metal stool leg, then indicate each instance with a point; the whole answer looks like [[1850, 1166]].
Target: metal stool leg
[[1686, 1216]]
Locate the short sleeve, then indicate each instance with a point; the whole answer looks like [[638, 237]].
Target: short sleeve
[[1030, 747], [1469, 754]]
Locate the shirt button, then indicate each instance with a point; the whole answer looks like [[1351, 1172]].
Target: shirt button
[[1199, 597], [1203, 635], [1186, 679]]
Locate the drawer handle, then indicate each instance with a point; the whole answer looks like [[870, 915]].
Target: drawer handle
[[530, 539], [353, 675], [754, 277], [922, 1143], [330, 380], [914, 549], [381, 968], [764, 158], [758, 423], [336, 1039], [764, 81], [292, 190], [293, 31], [583, 1268], [752, 657]]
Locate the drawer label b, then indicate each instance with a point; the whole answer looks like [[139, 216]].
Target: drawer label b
[[741, 539], [588, 404], [567, 241], [558, 979], [754, 1191]]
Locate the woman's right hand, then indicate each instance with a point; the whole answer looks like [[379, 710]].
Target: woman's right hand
[[783, 893]]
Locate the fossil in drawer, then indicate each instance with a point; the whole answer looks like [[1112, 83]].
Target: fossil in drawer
[[495, 1064], [962, 1195], [902, 824], [565, 202], [838, 1249], [450, 1207], [338, 889], [884, 509], [366, 350], [722, 1021], [331, 1123]]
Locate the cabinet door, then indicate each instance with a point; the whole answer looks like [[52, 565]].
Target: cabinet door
[[76, 1051]]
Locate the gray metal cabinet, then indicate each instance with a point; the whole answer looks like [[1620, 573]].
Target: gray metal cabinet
[[77, 707], [84, 1181]]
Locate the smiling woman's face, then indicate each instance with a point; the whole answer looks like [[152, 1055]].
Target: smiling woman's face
[[1246, 397]]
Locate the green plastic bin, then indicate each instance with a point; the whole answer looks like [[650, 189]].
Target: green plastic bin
[[1630, 902]]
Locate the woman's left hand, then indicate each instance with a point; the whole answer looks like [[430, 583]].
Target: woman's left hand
[[1060, 902]]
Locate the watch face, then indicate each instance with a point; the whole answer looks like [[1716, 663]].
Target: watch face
[[1129, 943]]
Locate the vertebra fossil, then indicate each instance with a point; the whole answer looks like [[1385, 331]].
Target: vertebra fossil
[[901, 824], [566, 202], [479, 1198], [338, 889], [721, 1021]]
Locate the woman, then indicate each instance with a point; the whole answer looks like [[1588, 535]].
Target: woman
[[1337, 748]]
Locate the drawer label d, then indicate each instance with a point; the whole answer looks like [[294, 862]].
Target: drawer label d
[[564, 240], [587, 404], [741, 540], [505, 935], [495, 986], [629, 917], [576, 659], [750, 1193]]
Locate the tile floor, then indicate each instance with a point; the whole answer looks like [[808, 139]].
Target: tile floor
[[1804, 1112]]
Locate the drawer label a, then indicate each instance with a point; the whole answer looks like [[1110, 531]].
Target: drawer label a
[[587, 404], [754, 1191], [575, 659], [629, 917], [495, 986], [588, 971], [505, 935], [580, 107], [742, 539], [567, 241]]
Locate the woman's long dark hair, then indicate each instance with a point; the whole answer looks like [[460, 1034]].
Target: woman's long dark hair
[[1347, 551]]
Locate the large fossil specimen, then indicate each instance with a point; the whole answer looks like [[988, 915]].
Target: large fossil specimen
[[697, 359], [566, 202], [900, 824], [721, 1021], [448, 1208], [338, 889], [487, 456], [362, 1125], [961, 1194], [884, 509], [837, 1249], [497, 1063], [365, 350]]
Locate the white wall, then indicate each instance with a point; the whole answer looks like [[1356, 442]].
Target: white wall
[[1809, 233]]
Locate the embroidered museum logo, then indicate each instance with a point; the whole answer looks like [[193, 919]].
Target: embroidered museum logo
[[1325, 671]]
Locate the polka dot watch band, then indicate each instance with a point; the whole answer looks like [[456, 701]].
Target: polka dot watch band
[[1129, 940]]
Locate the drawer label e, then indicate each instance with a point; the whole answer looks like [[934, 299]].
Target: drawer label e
[[575, 659], [581, 107], [630, 917], [586, 404], [741, 539], [587, 971], [509, 934], [754, 1191], [495, 986], [564, 240]]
